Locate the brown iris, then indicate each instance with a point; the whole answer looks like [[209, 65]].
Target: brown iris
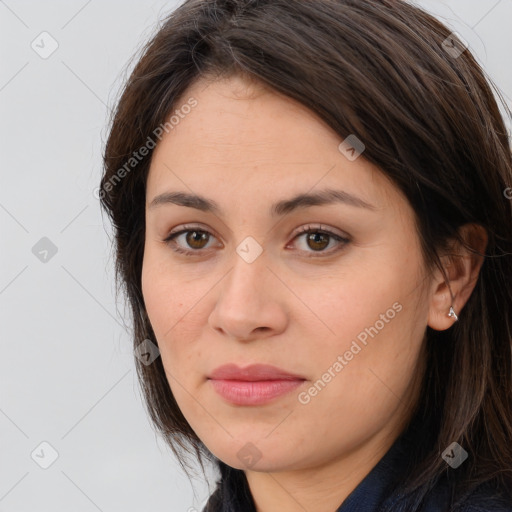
[[316, 239], [194, 237]]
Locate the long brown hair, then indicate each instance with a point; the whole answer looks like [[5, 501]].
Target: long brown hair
[[429, 119]]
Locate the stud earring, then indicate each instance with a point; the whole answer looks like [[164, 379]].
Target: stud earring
[[452, 313]]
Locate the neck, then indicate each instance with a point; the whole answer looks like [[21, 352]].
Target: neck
[[320, 488]]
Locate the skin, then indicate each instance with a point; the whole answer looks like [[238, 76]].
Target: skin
[[246, 147]]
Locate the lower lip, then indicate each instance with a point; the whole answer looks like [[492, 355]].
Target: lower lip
[[254, 392]]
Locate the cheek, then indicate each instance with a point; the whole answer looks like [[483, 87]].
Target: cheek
[[174, 311], [374, 334], [162, 299]]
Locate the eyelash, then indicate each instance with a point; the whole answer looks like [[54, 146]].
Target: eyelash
[[304, 230]]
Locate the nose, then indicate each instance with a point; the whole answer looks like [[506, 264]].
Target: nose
[[250, 301]]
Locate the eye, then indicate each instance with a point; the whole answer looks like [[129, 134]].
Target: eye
[[195, 238], [316, 238]]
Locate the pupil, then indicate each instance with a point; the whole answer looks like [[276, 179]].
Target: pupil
[[197, 237], [314, 239]]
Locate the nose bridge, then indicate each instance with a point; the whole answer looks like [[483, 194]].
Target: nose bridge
[[249, 267], [245, 303]]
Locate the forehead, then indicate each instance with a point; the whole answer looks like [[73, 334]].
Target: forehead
[[243, 136]]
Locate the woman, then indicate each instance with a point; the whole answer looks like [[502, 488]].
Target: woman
[[313, 224]]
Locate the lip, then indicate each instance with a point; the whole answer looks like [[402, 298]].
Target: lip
[[256, 384], [252, 373]]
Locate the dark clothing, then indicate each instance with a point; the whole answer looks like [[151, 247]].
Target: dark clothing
[[377, 492]]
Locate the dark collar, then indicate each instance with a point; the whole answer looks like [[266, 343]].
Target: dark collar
[[377, 487]]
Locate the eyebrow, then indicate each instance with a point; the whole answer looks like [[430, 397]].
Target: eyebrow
[[300, 201]]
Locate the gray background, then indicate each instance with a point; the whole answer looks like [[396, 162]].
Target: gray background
[[66, 367]]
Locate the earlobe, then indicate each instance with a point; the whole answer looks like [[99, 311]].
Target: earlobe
[[442, 314], [462, 268]]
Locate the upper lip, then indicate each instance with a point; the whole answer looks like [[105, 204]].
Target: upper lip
[[253, 372]]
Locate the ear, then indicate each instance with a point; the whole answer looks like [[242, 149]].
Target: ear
[[462, 267]]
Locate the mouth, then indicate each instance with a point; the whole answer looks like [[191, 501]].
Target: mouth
[[253, 373], [253, 392], [253, 385]]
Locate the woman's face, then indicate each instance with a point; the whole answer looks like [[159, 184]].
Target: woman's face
[[347, 317]]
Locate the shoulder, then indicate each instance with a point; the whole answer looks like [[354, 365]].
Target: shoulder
[[485, 499], [489, 506]]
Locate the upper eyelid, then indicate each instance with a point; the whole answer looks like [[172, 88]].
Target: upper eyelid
[[185, 228], [302, 230], [298, 231]]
